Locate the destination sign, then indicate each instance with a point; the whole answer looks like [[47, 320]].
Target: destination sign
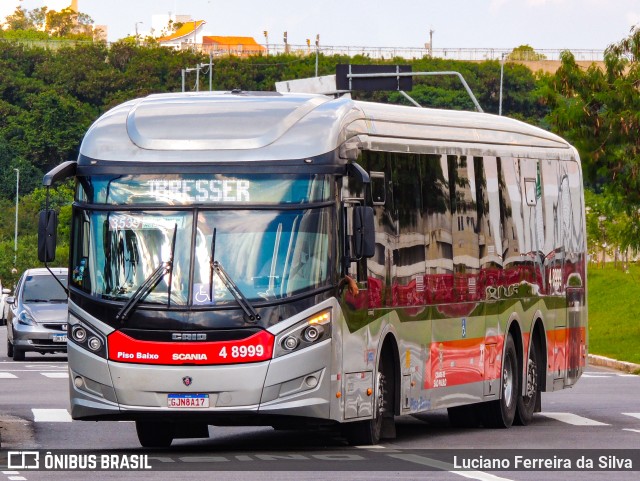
[[190, 190], [206, 189]]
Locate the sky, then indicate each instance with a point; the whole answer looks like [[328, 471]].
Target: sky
[[499, 24]]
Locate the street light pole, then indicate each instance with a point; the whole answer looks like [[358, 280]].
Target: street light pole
[[317, 51], [137, 39], [15, 246]]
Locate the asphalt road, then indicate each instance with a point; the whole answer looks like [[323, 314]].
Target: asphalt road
[[596, 420]]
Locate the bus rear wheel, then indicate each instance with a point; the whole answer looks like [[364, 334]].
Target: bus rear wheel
[[527, 403], [501, 413], [155, 434]]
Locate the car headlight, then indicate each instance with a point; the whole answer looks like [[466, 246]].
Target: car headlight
[[312, 330], [25, 319]]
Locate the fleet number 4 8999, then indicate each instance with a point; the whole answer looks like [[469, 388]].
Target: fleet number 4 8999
[[242, 351]]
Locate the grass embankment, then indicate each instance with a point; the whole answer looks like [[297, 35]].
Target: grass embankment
[[614, 312]]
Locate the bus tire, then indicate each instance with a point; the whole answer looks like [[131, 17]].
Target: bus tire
[[464, 416], [155, 434], [369, 432], [501, 413], [526, 404]]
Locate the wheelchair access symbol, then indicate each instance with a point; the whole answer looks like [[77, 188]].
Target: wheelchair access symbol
[[23, 460], [201, 294]]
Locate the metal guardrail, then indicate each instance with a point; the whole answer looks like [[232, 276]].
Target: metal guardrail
[[469, 54]]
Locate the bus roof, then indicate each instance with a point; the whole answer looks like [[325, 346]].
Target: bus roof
[[268, 126]]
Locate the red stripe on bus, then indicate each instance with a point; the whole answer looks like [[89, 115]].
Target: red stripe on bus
[[464, 361], [123, 348]]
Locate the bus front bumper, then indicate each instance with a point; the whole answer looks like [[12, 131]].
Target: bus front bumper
[[297, 384]]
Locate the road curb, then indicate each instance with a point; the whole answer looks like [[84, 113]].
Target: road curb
[[595, 360]]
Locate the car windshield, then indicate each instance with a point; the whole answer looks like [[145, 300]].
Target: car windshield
[[268, 253], [44, 288]]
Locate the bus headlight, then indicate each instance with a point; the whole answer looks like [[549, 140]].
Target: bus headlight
[[82, 334], [290, 343], [306, 333], [94, 343], [78, 333]]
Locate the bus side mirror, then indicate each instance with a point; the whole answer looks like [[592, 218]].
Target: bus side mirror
[[364, 235], [47, 235]]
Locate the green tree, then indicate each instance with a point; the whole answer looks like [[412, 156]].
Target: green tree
[[18, 20], [525, 53], [598, 111], [68, 23]]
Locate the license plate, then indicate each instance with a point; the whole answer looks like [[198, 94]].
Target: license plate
[[188, 400], [59, 338]]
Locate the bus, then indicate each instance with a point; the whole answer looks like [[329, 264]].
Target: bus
[[300, 260]]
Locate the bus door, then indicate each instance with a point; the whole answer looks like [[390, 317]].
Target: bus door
[[492, 215]]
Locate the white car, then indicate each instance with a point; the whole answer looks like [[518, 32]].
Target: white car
[[4, 306]]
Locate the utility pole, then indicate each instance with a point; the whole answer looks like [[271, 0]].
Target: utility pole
[[195, 37], [431, 32], [501, 79], [15, 246]]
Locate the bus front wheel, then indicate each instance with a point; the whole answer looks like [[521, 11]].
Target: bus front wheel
[[155, 434], [369, 432]]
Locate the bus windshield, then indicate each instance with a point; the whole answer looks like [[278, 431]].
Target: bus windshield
[[269, 254]]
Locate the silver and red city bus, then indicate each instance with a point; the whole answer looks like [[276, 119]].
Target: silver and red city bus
[[214, 237]]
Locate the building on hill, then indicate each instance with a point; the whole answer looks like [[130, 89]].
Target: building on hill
[[188, 35], [237, 46]]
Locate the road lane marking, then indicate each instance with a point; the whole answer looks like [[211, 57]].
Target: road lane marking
[[17, 478], [51, 416], [7, 375], [56, 375], [596, 375], [633, 415], [573, 419], [434, 463]]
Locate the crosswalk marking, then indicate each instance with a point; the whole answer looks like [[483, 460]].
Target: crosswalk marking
[[56, 375], [632, 430], [7, 375], [51, 415], [634, 415], [573, 419]]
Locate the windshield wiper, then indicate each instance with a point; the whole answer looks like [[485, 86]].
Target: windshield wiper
[[231, 286], [149, 283], [244, 303]]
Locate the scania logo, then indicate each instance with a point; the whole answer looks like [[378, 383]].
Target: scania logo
[[187, 336], [187, 381]]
